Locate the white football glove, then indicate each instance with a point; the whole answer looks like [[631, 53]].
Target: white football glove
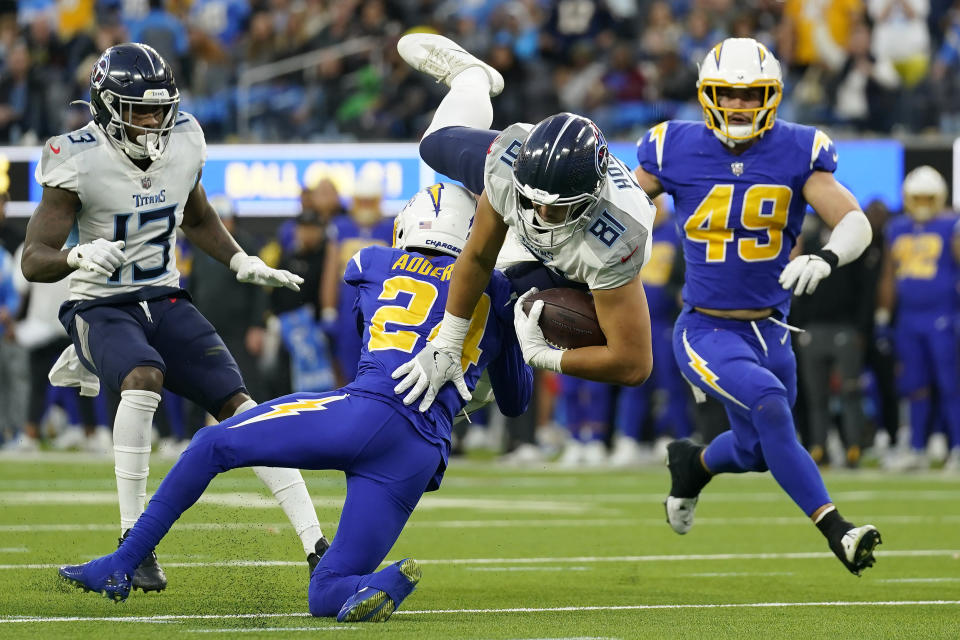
[[805, 272], [428, 371], [100, 256], [252, 269], [536, 351]]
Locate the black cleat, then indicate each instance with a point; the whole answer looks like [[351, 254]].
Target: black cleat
[[149, 576], [855, 548], [313, 559], [687, 478]]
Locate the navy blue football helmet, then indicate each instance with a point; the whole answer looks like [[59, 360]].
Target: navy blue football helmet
[[563, 161], [130, 77]]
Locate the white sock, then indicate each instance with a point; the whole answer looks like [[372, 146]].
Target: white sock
[[467, 104], [131, 451], [289, 489]]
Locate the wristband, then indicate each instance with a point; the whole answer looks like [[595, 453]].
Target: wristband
[[829, 257], [453, 331], [236, 259]]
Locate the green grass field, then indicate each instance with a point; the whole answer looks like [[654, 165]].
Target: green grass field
[[505, 553]]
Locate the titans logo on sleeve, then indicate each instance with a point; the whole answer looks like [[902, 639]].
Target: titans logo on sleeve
[[736, 211]]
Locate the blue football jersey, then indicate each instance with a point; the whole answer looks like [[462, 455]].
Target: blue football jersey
[[924, 267], [656, 274], [350, 238], [401, 296], [739, 214]]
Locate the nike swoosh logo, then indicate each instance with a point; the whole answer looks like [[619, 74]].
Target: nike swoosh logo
[[629, 255], [54, 149]]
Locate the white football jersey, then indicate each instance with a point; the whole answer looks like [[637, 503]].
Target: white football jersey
[[119, 201], [613, 245]]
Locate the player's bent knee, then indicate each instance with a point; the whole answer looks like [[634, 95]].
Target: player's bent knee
[[145, 378], [210, 443]]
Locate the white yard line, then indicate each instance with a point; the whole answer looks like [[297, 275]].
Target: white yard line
[[804, 555], [427, 612], [951, 579], [492, 524], [281, 629]]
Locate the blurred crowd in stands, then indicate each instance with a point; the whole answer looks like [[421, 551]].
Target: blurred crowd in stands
[[310, 70]]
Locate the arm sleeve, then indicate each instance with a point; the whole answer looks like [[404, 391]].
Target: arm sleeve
[[511, 377]]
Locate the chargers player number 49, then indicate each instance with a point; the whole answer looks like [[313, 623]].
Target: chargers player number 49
[[710, 221]]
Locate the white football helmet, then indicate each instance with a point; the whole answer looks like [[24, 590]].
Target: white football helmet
[[924, 193], [436, 218], [739, 63]]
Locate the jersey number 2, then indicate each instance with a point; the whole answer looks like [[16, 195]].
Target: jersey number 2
[[710, 223], [415, 313]]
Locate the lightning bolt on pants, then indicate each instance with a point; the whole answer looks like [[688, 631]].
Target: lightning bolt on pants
[[757, 387], [387, 463]]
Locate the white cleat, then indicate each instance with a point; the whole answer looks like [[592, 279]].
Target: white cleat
[[443, 59], [680, 513], [856, 548]]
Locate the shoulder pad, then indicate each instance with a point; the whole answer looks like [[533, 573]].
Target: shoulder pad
[[823, 153], [55, 168], [186, 122], [655, 138]]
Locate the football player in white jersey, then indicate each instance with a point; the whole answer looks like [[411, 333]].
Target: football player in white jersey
[[118, 188], [554, 188]]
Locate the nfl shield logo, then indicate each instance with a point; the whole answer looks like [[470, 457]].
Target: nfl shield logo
[[146, 182], [737, 168]]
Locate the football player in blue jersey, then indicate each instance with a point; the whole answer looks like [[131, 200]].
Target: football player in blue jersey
[[114, 192], [920, 281], [363, 226], [390, 453], [741, 182], [552, 194]]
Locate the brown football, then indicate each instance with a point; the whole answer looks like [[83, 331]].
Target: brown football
[[569, 319]]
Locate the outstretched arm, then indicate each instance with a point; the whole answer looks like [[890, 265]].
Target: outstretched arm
[[473, 267], [205, 230]]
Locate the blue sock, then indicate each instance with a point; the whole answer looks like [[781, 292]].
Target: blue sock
[[632, 407], [726, 454], [790, 464], [919, 420]]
